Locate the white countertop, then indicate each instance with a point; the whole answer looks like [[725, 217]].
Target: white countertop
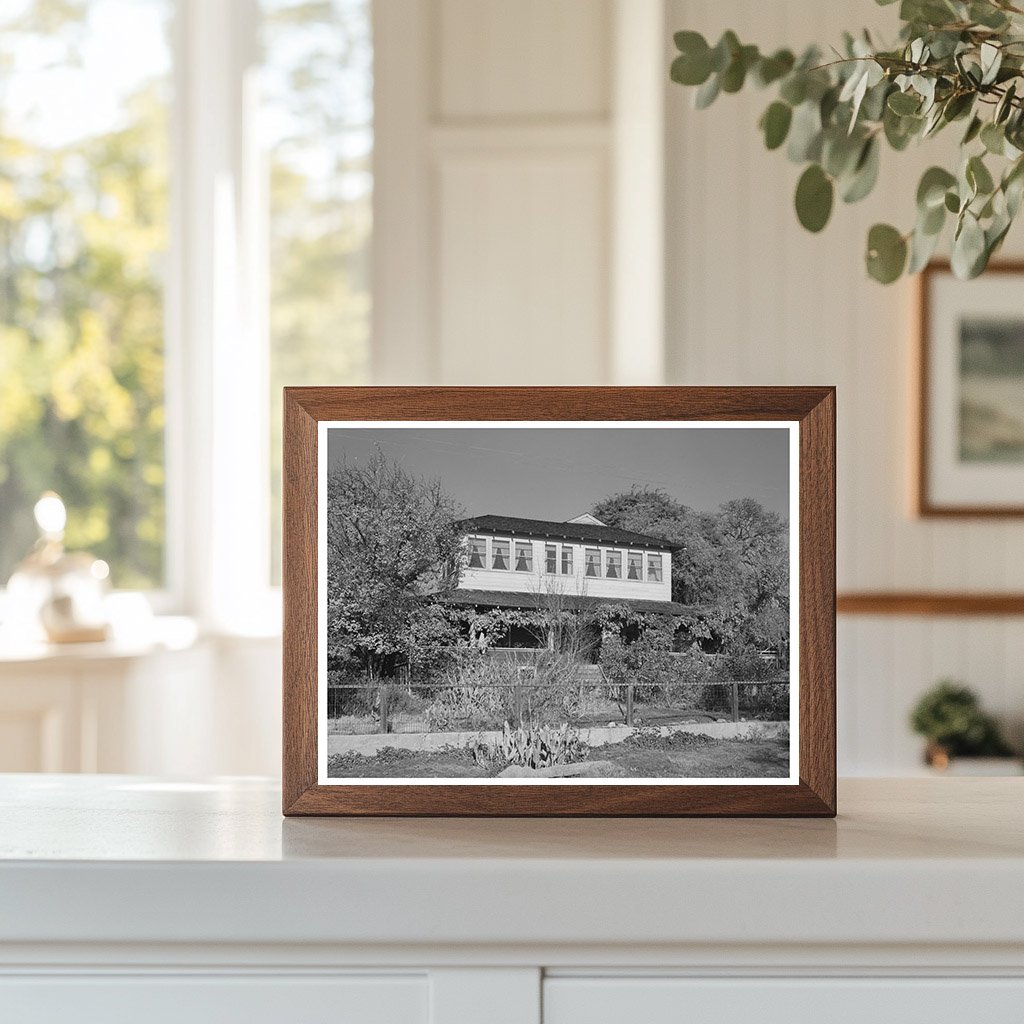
[[121, 859]]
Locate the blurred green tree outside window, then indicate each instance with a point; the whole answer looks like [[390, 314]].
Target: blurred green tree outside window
[[317, 118], [83, 236], [84, 210]]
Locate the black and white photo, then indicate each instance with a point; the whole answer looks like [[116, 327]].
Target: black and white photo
[[511, 603]]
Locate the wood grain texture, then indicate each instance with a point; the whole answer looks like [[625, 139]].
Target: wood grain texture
[[925, 603], [812, 407], [924, 505]]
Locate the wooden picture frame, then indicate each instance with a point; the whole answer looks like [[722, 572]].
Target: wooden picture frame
[[940, 490], [807, 412]]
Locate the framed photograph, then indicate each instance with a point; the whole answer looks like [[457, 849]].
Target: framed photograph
[[970, 451], [559, 601]]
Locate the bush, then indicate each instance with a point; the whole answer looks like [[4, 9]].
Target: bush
[[950, 716], [542, 746]]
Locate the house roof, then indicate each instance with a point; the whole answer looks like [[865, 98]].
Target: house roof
[[506, 599], [570, 531]]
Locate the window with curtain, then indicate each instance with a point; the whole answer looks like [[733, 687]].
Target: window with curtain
[[524, 556], [499, 554], [566, 560], [654, 568], [593, 562], [613, 565], [634, 566], [477, 554]]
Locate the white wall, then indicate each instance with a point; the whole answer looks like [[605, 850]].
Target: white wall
[[754, 299]]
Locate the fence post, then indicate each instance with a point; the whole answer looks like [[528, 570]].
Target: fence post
[[629, 705], [735, 702], [384, 694]]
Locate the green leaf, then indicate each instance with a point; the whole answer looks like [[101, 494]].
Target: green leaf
[[1005, 104], [775, 124], [969, 254], [707, 93], [693, 65], [903, 103], [978, 176], [771, 69], [725, 49], [987, 15], [814, 194], [865, 173], [993, 138], [922, 247], [931, 191], [952, 202], [735, 74], [886, 254], [794, 89], [805, 133], [973, 129]]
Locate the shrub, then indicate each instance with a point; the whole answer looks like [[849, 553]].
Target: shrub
[[542, 746], [950, 716]]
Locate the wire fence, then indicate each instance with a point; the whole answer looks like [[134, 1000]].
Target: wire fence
[[722, 696]]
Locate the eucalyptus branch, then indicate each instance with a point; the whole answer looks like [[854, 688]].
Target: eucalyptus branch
[[955, 61]]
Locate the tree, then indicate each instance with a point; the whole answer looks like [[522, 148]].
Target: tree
[[695, 569], [734, 561], [392, 542], [956, 61]]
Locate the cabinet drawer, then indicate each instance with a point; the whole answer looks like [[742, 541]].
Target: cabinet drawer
[[202, 999], [660, 1000]]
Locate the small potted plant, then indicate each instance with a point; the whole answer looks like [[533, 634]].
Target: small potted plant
[[950, 717]]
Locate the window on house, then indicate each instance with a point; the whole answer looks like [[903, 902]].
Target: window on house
[[654, 568], [524, 556], [593, 562], [499, 554], [635, 566], [477, 552], [551, 558], [84, 170], [613, 565], [566, 560]]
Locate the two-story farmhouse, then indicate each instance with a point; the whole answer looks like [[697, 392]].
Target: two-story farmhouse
[[521, 563]]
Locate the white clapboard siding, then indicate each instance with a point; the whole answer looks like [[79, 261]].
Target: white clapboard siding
[[754, 299]]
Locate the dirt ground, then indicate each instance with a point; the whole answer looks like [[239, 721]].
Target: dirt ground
[[681, 755]]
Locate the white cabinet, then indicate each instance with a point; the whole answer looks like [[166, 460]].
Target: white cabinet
[[126, 899], [202, 999], [830, 1000]]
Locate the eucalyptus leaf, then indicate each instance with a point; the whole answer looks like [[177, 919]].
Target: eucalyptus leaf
[[922, 248], [707, 93], [886, 253], [904, 103], [968, 247], [814, 195], [865, 173], [805, 133], [931, 190], [993, 138], [775, 124], [978, 176]]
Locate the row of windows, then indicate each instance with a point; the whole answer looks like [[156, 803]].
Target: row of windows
[[520, 557]]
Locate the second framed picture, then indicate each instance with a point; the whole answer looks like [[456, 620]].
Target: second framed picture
[[970, 452], [559, 601]]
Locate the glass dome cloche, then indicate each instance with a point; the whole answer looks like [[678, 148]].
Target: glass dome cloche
[[57, 595]]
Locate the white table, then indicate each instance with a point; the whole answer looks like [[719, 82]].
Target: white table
[[125, 898]]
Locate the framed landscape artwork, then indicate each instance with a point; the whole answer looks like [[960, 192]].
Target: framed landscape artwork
[[970, 452], [559, 601]]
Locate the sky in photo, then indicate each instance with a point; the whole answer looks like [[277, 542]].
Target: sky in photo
[[557, 473]]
